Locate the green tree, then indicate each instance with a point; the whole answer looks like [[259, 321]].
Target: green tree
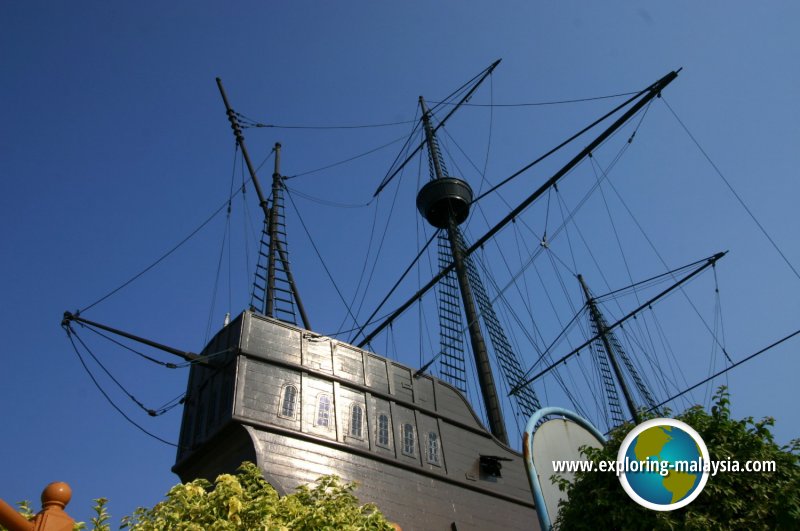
[[750, 501], [246, 501]]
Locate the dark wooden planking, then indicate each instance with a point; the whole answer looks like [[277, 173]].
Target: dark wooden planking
[[247, 391]]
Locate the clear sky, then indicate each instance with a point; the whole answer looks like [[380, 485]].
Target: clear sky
[[115, 145]]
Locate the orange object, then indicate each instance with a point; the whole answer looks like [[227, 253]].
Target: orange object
[[52, 517]]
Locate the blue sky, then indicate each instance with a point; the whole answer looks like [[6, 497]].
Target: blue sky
[[115, 146]]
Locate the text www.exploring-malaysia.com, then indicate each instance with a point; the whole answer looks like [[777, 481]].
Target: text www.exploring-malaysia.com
[[664, 467]]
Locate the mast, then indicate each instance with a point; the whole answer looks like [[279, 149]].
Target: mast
[[646, 96], [602, 331], [273, 231], [444, 202], [269, 213], [481, 78], [706, 263]]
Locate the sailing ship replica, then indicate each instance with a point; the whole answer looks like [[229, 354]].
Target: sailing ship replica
[[270, 390]]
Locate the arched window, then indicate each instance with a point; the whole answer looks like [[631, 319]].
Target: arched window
[[433, 448], [383, 430], [408, 439], [324, 411], [289, 401], [356, 420]]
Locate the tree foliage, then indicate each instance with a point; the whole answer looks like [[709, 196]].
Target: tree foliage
[[245, 501], [768, 500]]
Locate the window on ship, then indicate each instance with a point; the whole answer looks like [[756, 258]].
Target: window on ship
[[433, 448], [408, 439], [383, 430], [356, 420], [288, 402], [324, 411]]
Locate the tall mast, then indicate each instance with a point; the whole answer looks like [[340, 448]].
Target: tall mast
[[273, 231], [444, 202], [706, 263], [646, 96], [602, 331], [269, 213]]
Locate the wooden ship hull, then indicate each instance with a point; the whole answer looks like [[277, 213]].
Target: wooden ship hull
[[302, 405]]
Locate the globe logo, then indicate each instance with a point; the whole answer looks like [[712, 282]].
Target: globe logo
[[663, 464]]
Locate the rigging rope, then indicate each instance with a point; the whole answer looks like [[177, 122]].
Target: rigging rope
[[225, 238], [672, 359], [555, 149], [266, 159], [149, 411], [648, 282], [247, 123], [159, 260], [165, 364], [733, 191], [377, 319], [108, 398], [460, 90], [561, 206], [349, 159], [726, 369], [719, 309], [164, 408], [364, 265], [322, 261], [380, 247], [541, 103], [491, 129], [394, 287], [326, 202], [70, 333], [660, 257], [416, 131], [246, 222], [378, 251]]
